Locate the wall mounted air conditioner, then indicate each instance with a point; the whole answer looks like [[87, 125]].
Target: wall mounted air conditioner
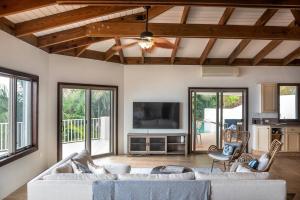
[[211, 71]]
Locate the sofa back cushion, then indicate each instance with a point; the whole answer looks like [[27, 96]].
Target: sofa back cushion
[[84, 177], [233, 175], [158, 177], [63, 168]]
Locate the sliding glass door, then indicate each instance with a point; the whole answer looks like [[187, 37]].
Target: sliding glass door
[[87, 119], [212, 111]]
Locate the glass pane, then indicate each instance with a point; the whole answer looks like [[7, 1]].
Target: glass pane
[[232, 113], [23, 114], [101, 133], [288, 102], [4, 114], [73, 121], [204, 119]]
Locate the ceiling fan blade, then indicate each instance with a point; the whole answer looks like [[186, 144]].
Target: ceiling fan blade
[[163, 43], [119, 47]]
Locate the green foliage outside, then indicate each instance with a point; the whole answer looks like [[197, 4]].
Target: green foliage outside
[[288, 90]]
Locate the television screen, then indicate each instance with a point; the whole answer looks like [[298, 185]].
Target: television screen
[[156, 115]]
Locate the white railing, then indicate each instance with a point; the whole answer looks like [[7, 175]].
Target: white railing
[[73, 131]]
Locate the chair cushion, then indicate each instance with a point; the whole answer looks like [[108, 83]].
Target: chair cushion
[[219, 156], [263, 161]]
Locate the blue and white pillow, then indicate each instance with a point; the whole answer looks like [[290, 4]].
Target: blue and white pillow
[[228, 149], [253, 164]]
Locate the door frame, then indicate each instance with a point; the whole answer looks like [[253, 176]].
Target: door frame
[[218, 90], [60, 86]]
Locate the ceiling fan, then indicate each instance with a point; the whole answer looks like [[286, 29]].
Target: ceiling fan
[[147, 41]]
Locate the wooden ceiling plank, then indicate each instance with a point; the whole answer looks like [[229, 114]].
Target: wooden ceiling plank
[[215, 3], [121, 53], [184, 18], [80, 32], [291, 57], [265, 17], [106, 29], [65, 18], [9, 7], [268, 48], [226, 15]]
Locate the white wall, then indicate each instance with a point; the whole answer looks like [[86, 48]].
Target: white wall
[[18, 55], [78, 70], [170, 83]]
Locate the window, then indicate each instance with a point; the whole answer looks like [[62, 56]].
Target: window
[[288, 102], [87, 119], [18, 114]]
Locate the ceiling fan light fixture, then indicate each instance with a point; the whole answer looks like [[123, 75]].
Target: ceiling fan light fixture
[[146, 43]]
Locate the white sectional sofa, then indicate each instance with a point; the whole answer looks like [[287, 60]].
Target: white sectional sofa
[[224, 186]]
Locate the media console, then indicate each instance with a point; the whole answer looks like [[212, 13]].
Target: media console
[[157, 143]]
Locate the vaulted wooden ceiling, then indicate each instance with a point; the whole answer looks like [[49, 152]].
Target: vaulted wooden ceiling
[[205, 32]]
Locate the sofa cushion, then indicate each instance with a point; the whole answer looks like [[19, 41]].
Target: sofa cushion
[[95, 169], [83, 157], [64, 168], [232, 175], [183, 176], [92, 177], [79, 168], [117, 168]]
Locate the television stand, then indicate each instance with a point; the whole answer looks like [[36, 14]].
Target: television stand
[[157, 143]]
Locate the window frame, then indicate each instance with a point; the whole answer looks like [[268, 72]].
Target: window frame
[[297, 120], [34, 95]]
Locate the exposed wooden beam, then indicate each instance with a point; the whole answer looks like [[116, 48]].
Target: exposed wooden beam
[[74, 44], [106, 29], [218, 3], [9, 7], [292, 56], [184, 18], [296, 14], [80, 32], [266, 16], [121, 53], [65, 18], [80, 50], [226, 15], [96, 55], [110, 52], [268, 48]]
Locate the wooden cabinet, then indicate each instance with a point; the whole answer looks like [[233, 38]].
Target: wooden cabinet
[[292, 140], [262, 138], [268, 97], [141, 143]]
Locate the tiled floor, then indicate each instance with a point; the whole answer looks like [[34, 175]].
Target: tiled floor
[[286, 167]]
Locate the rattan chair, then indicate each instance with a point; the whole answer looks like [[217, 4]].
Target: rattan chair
[[218, 156], [244, 159]]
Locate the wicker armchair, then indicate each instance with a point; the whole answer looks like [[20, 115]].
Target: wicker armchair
[[244, 159], [217, 155]]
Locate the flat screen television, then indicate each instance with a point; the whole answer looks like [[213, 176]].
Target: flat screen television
[[156, 115]]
